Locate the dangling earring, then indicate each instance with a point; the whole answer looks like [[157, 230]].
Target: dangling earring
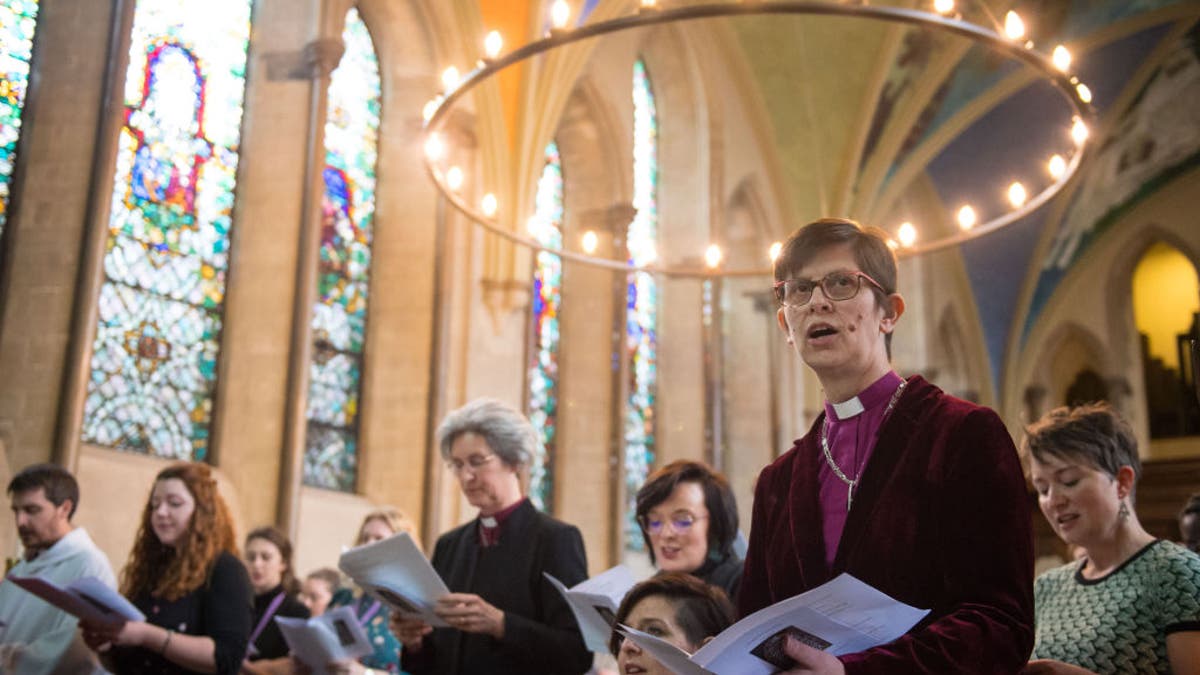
[[1123, 512]]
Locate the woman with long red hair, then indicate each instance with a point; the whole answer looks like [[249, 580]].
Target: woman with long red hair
[[184, 574]]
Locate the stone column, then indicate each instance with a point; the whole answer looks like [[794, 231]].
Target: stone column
[[320, 58]]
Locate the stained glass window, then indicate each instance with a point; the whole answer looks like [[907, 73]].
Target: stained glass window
[[546, 228], [154, 360], [641, 307], [18, 19], [348, 215]]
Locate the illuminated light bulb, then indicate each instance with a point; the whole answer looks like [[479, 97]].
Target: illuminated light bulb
[[712, 256], [454, 178], [967, 217], [649, 4], [1017, 195], [907, 234], [560, 13], [492, 44], [1061, 58], [435, 149], [943, 6], [1057, 167], [489, 205], [450, 78], [430, 107], [1014, 27], [775, 250], [1085, 94], [1079, 131], [590, 242]]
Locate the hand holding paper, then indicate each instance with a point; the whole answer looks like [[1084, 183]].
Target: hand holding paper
[[396, 572]]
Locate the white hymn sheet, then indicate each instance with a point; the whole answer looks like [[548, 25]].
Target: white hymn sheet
[[396, 572], [87, 598], [842, 616], [673, 658], [594, 603], [334, 636]]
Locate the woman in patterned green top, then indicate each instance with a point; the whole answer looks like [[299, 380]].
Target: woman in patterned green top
[[1131, 604]]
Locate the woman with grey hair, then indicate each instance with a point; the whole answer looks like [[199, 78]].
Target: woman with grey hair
[[504, 616]]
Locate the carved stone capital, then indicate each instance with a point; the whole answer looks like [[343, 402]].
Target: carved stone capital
[[316, 60]]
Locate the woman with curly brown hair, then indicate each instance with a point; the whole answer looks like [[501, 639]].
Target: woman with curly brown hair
[[185, 576]]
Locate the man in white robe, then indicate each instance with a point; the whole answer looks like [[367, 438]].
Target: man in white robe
[[35, 636]]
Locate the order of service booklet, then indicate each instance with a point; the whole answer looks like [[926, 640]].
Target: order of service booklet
[[336, 635], [842, 616], [594, 603], [398, 574], [87, 598]]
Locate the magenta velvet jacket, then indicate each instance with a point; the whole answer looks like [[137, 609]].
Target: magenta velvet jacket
[[940, 521]]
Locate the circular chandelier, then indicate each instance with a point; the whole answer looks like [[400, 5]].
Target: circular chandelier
[[1054, 68]]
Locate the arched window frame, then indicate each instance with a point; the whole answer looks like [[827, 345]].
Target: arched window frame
[[339, 324]]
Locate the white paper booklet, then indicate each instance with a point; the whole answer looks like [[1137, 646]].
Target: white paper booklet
[[396, 572], [842, 616], [333, 636], [594, 603], [87, 598]]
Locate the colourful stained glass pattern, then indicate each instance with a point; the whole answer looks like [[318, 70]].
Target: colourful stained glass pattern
[[18, 20], [154, 360], [348, 214], [641, 308], [546, 228]]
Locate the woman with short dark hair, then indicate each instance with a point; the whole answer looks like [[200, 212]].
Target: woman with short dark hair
[[689, 520], [675, 607], [1131, 604]]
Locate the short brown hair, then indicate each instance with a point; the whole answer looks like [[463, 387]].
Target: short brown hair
[[1092, 433], [718, 499], [869, 245], [57, 484], [701, 610]]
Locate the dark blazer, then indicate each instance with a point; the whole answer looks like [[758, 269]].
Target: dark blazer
[[540, 633], [940, 521]]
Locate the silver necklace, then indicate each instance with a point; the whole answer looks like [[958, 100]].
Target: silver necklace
[[851, 483]]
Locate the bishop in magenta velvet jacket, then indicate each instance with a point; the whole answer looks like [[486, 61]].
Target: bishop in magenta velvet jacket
[[940, 521]]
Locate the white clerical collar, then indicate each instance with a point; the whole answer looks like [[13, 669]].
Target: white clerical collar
[[488, 521], [851, 407]]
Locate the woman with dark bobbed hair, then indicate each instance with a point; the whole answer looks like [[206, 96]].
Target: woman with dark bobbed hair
[[675, 607], [689, 519]]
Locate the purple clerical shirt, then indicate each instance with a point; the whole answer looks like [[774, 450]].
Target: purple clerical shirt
[[853, 428]]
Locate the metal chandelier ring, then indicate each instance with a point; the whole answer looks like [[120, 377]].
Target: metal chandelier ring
[[1065, 83]]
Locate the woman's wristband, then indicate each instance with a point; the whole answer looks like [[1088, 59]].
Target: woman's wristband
[[166, 642]]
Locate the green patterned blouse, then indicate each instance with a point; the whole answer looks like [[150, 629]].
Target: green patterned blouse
[[1119, 623]]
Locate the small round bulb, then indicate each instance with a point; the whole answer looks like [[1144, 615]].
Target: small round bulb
[[492, 44], [590, 242], [488, 205], [1061, 58], [712, 256], [450, 78], [1014, 27], [454, 178], [943, 6], [560, 13], [431, 107], [775, 250], [1085, 94], [1057, 166], [435, 148], [1079, 131], [907, 234], [1017, 195], [967, 217]]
